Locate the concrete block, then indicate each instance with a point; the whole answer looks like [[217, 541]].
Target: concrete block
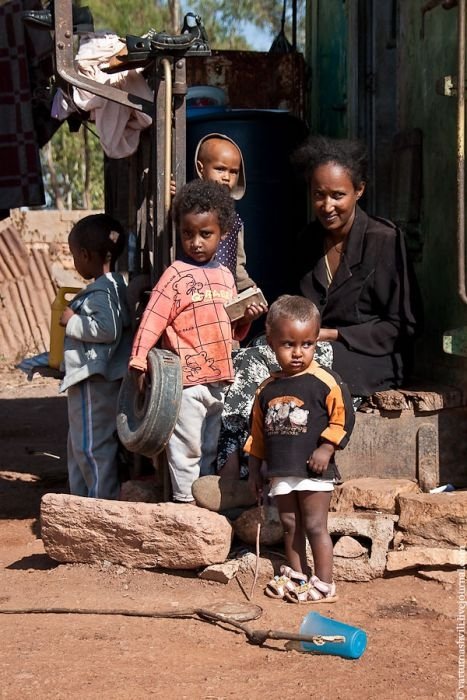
[[379, 529], [408, 444]]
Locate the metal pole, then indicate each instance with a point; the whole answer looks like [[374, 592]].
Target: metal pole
[[179, 90], [294, 24], [168, 135], [461, 153]]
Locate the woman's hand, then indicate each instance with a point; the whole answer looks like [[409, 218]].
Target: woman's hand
[[328, 334], [319, 460], [66, 315]]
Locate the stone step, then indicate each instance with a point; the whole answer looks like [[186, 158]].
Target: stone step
[[136, 535], [371, 493]]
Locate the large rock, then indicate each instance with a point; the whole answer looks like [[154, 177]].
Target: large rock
[[413, 557], [246, 525], [434, 519], [371, 494], [218, 493], [136, 535]]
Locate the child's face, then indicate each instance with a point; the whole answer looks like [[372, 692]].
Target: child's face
[[220, 162], [200, 235], [294, 343]]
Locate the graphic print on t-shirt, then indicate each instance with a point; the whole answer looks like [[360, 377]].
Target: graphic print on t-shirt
[[285, 416], [200, 368], [186, 289]]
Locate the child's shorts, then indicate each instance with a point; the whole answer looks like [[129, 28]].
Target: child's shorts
[[281, 485]]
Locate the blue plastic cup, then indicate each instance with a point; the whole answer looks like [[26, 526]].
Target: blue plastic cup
[[316, 624]]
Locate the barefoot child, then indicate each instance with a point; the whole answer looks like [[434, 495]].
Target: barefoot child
[[97, 346], [186, 309], [301, 415]]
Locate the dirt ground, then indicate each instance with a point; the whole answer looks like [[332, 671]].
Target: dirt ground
[[410, 622]]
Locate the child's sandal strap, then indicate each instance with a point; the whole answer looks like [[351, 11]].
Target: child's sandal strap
[[299, 594], [312, 594], [328, 590], [278, 587], [297, 576]]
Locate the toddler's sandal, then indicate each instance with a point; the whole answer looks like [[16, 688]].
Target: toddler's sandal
[[278, 587], [311, 594], [296, 576]]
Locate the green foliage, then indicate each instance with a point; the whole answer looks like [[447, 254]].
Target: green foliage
[[226, 21], [64, 170], [130, 16]]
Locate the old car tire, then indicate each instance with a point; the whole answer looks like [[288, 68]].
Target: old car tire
[[145, 422]]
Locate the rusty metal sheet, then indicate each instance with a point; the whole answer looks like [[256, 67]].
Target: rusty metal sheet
[[13, 255], [26, 293], [254, 80]]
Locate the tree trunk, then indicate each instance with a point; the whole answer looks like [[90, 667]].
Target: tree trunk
[[174, 9], [55, 187], [87, 170]]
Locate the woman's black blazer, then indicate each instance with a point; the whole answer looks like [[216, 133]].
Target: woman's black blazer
[[370, 301]]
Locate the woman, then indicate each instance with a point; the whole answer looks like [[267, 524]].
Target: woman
[[354, 268]]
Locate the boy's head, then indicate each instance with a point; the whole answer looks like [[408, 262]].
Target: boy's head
[[203, 213], [292, 329], [219, 159], [95, 240]]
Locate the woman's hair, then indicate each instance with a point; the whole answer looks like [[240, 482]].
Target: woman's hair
[[320, 150], [199, 196], [292, 308], [100, 233]]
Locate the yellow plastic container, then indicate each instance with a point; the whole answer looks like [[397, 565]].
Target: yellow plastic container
[[57, 332]]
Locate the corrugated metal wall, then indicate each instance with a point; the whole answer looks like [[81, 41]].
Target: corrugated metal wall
[[26, 293]]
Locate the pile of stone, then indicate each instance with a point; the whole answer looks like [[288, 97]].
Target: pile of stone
[[377, 525]]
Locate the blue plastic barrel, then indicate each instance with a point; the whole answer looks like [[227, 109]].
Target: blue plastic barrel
[[274, 208]]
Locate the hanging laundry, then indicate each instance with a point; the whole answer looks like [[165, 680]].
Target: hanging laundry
[[118, 126]]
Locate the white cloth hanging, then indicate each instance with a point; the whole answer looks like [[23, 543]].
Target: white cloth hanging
[[118, 126]]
